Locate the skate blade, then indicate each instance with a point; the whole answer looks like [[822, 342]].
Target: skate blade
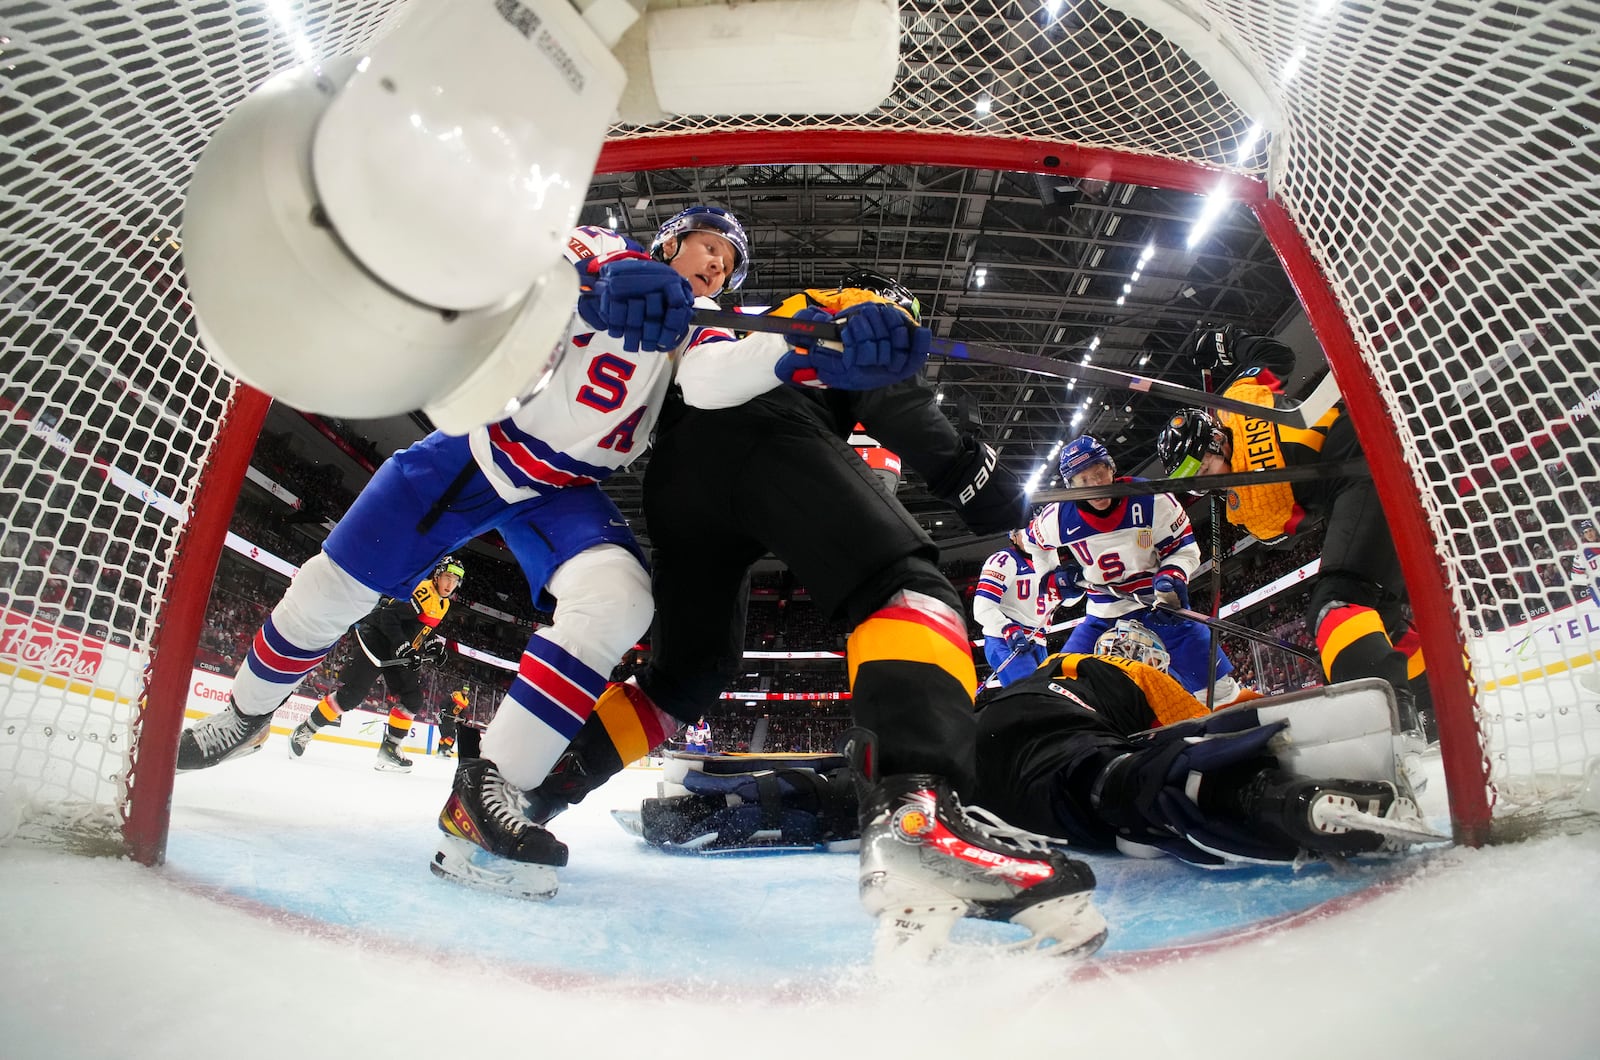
[[242, 751], [467, 863], [911, 935], [1401, 827], [1065, 928], [387, 767]]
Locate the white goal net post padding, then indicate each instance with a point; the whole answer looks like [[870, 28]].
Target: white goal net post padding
[[1426, 172]]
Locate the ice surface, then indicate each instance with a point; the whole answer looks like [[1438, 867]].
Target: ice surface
[[296, 916]]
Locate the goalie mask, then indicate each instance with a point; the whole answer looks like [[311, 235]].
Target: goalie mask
[[1133, 640], [713, 219], [1186, 439]]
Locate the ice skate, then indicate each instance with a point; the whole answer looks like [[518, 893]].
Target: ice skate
[[224, 735], [488, 840], [390, 760], [926, 863], [300, 738], [1341, 818]]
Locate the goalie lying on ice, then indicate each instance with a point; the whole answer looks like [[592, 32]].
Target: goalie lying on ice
[[1070, 752]]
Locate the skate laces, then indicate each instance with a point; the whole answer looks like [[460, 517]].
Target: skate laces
[[215, 735], [997, 831], [504, 802]]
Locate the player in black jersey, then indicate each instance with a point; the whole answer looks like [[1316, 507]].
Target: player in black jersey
[[730, 481]]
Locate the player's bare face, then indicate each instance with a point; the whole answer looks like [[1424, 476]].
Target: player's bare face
[[705, 260], [1094, 475], [446, 584]]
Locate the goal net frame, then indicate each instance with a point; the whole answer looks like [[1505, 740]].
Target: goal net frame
[[1393, 256]]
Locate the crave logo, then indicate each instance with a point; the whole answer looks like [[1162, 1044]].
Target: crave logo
[[48, 648]]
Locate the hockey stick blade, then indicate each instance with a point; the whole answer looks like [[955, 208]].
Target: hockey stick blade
[[1296, 414], [1206, 483]]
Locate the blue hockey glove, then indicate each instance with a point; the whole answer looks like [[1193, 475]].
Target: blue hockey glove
[[1064, 582], [1018, 641], [1171, 589], [642, 302], [879, 345], [796, 367]]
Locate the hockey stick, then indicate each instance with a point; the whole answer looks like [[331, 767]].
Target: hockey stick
[[1224, 626], [988, 682], [1298, 414], [1202, 483]]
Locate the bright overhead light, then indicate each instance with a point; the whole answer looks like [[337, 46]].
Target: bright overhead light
[[1083, 285], [1127, 288], [981, 105], [1144, 360], [1085, 359], [1216, 203], [1111, 225], [1094, 258], [1094, 343], [1135, 276], [1121, 299]]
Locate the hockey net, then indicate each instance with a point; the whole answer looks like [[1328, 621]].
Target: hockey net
[[1427, 173]]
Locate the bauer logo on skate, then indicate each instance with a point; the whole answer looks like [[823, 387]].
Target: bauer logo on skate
[[48, 648]]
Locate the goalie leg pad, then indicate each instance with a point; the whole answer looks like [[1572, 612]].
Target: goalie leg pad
[[789, 808]]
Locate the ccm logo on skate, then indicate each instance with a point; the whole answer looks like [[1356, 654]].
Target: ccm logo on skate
[[463, 824]]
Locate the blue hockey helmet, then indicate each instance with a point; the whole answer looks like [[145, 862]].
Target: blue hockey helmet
[[1133, 640], [1082, 453], [712, 219]]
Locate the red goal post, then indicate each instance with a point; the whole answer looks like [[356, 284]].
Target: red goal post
[[1426, 172]]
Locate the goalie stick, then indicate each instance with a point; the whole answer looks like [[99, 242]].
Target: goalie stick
[[1300, 414]]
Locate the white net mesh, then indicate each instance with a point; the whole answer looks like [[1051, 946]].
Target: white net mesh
[[1438, 159]]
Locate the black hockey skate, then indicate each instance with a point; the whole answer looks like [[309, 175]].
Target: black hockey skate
[[926, 863], [224, 735], [488, 840], [1314, 814], [390, 760], [300, 738]]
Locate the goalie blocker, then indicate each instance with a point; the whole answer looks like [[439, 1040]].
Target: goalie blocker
[[1248, 784]]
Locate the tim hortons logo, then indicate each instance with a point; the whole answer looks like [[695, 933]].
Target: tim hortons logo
[[47, 647]]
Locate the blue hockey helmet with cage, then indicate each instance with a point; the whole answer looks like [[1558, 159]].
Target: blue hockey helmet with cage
[[1082, 453], [712, 219], [1133, 640]]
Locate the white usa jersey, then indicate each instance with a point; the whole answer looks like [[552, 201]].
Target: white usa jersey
[[599, 408], [1122, 551], [1014, 591], [1586, 565]]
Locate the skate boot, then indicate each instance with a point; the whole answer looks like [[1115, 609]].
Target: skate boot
[[1320, 815], [300, 738], [224, 735], [926, 862], [390, 760], [489, 841]]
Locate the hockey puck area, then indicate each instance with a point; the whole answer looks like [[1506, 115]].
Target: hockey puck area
[[327, 839]]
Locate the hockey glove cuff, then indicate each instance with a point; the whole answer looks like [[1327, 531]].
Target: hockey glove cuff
[[1171, 588]]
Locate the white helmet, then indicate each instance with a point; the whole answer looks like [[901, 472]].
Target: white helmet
[[1131, 639]]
